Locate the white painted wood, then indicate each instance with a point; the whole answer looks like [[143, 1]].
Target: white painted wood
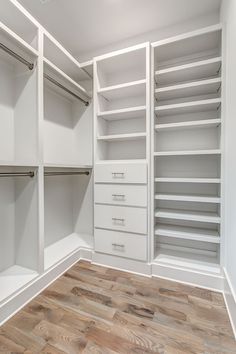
[[133, 88], [201, 216], [194, 106], [127, 219], [121, 194], [121, 244], [125, 113], [188, 233], [188, 180], [122, 137], [121, 172], [188, 198], [194, 152], [204, 123]]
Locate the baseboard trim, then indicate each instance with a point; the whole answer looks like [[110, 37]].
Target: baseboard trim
[[123, 264], [230, 300], [199, 279], [12, 305]]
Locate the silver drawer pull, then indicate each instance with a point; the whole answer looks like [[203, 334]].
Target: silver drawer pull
[[118, 174], [118, 196], [118, 246], [120, 220]]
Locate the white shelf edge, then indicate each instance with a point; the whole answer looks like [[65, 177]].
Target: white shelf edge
[[120, 137], [131, 161], [191, 124], [122, 110], [187, 180], [66, 77], [19, 40], [188, 85], [58, 165], [183, 215], [188, 66], [188, 152], [188, 104], [188, 198], [121, 86]]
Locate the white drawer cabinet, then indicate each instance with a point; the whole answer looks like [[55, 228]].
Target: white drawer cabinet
[[121, 244], [121, 218], [121, 194], [121, 173]]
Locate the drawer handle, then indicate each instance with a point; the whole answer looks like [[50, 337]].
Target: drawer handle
[[120, 220], [118, 196], [118, 247], [118, 174]]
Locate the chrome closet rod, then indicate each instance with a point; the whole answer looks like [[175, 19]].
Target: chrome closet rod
[[17, 56], [66, 173], [49, 78], [17, 174]]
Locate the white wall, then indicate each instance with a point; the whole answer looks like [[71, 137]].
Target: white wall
[[228, 17], [154, 36]]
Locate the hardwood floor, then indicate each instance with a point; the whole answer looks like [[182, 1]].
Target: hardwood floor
[[92, 309]]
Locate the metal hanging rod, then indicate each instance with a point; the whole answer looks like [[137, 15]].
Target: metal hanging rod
[[17, 174], [17, 56], [49, 78], [61, 173]]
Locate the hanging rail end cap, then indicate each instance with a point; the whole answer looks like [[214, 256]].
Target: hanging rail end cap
[[31, 174], [86, 103], [87, 173], [31, 66]]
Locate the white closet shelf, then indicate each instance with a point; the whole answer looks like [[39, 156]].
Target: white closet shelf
[[188, 152], [211, 104], [125, 113], [18, 164], [63, 248], [189, 125], [190, 71], [188, 89], [129, 89], [195, 262], [187, 180], [188, 198], [122, 137], [60, 75], [189, 215], [16, 42], [124, 161], [13, 279], [187, 233], [60, 165]]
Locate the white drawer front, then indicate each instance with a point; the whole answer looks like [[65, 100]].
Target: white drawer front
[[121, 173], [121, 218], [121, 244], [119, 194]]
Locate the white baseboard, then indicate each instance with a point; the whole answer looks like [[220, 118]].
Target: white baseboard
[[230, 300], [188, 276], [16, 302], [123, 264]]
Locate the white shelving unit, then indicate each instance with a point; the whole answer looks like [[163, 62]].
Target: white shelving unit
[[186, 155]]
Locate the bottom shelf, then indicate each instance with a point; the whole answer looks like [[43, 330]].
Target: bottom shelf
[[189, 261], [62, 248], [13, 279]]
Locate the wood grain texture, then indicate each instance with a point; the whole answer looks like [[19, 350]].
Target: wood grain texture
[[93, 309]]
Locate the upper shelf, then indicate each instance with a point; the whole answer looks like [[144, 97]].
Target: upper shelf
[[133, 88], [204, 123], [196, 70], [126, 113]]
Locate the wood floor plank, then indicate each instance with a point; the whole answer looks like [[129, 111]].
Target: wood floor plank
[[98, 310]]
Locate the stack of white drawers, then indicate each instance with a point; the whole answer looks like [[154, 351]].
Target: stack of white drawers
[[120, 213]]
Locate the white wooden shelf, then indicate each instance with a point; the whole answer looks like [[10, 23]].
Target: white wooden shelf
[[122, 137], [63, 248], [188, 89], [62, 76], [125, 113], [188, 152], [190, 71], [124, 161], [13, 279], [209, 217], [187, 180], [189, 125], [187, 233], [129, 89], [192, 261], [61, 165], [189, 107], [187, 198]]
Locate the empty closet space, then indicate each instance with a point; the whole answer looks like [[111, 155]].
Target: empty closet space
[[121, 80], [19, 228], [187, 150]]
